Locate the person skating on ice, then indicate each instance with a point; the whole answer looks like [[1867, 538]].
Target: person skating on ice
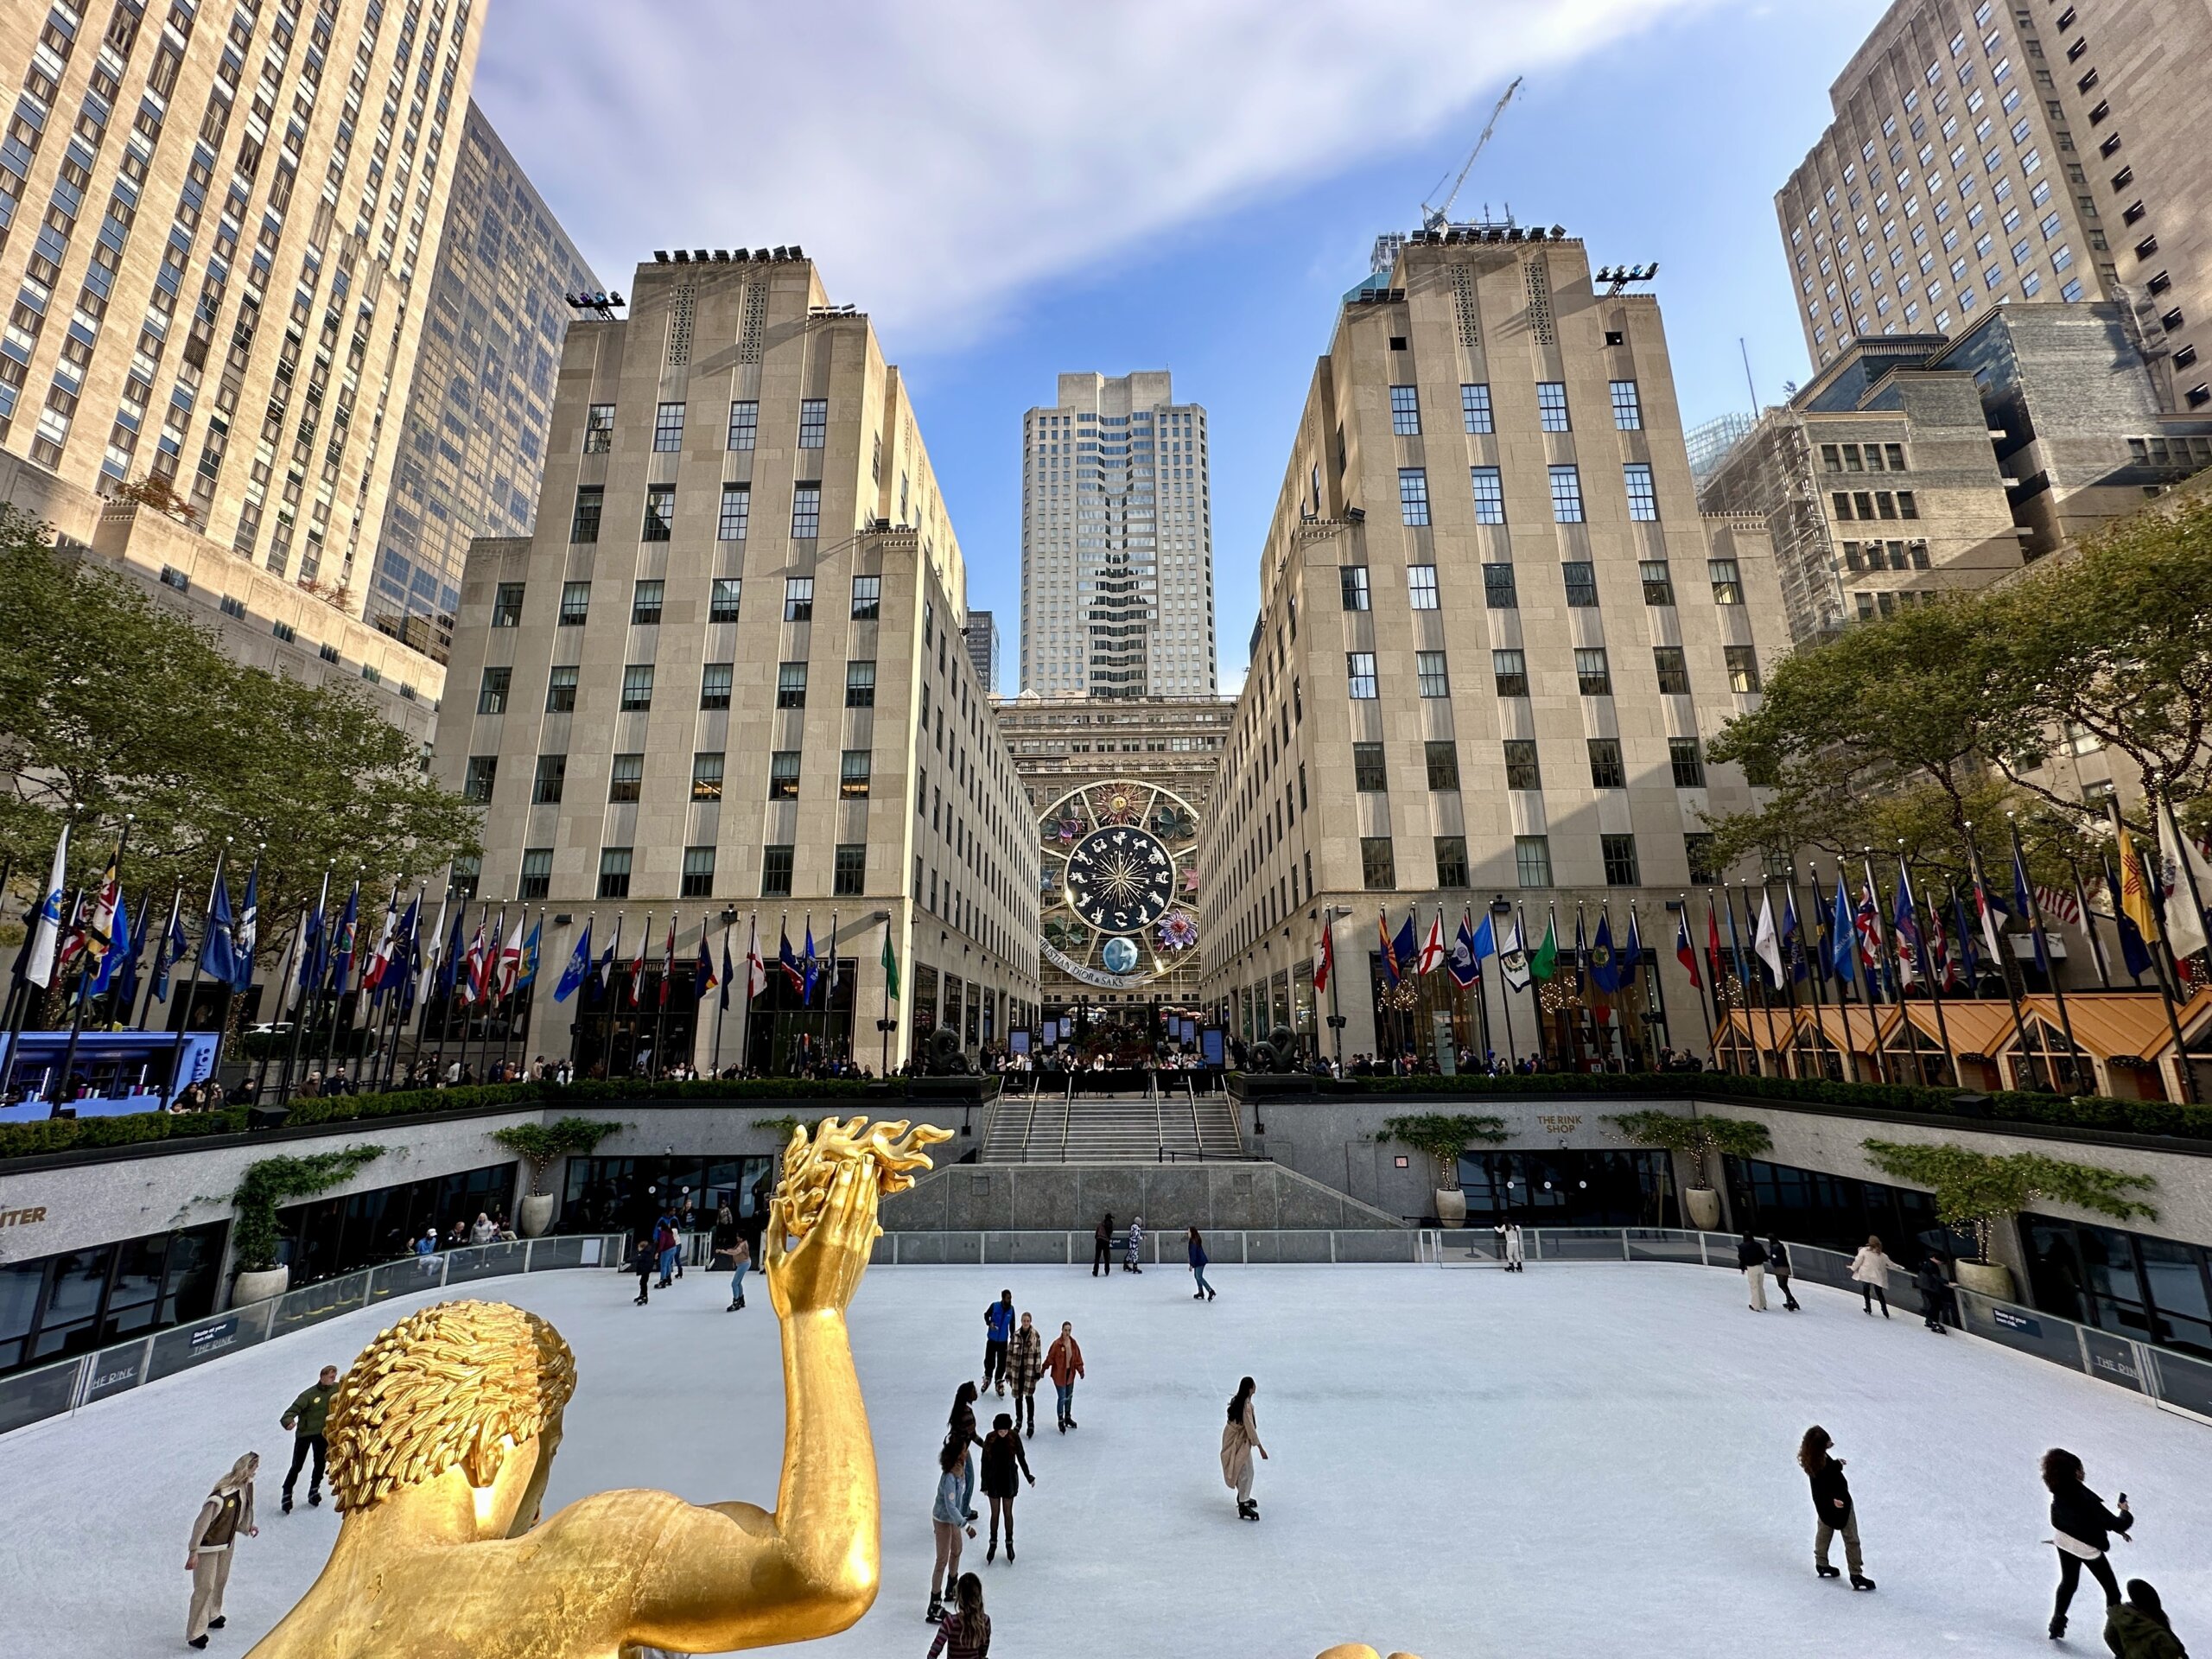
[[1065, 1362], [729, 1243], [998, 1330], [1102, 1246], [1750, 1256], [1870, 1269], [965, 1631], [1777, 1261], [949, 1519], [1832, 1507], [1198, 1260], [1025, 1363], [226, 1516], [1136, 1239], [1002, 1457], [960, 1429], [643, 1260], [2081, 1528], [1240, 1439], [2139, 1628], [1934, 1292], [306, 1417], [1516, 1252]]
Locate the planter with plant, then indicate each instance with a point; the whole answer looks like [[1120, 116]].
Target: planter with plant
[[267, 1183], [1443, 1136], [1977, 1190], [538, 1145], [1698, 1139]]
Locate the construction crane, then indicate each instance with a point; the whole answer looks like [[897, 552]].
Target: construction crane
[[1435, 218]]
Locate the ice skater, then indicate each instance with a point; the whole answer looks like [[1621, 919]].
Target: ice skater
[[1025, 1363], [1240, 1439], [949, 1519], [1136, 1242], [964, 1632], [1750, 1256], [1516, 1253], [960, 1424], [667, 1242], [2081, 1528], [1778, 1261], [1102, 1246], [1198, 1260], [1832, 1507], [730, 1245], [1870, 1269], [2139, 1628], [306, 1417], [1065, 1362], [643, 1260], [998, 1330], [1934, 1292], [227, 1513], [1002, 1456]]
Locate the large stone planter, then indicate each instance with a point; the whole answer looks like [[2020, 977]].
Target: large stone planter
[[1702, 1206], [534, 1215], [1451, 1207], [1986, 1279], [258, 1285]]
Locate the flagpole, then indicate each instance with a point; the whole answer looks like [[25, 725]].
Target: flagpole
[[2089, 925], [1931, 968], [2111, 892], [1704, 1013], [1505, 988], [2158, 969], [2050, 962], [1581, 1010], [745, 1019], [1743, 977], [1785, 1060], [2004, 967], [269, 1048], [85, 971], [192, 987], [168, 927], [1886, 951], [396, 1019], [1809, 932], [1788, 987], [660, 1012], [2189, 875], [613, 967], [303, 993], [721, 1007], [1540, 1058]]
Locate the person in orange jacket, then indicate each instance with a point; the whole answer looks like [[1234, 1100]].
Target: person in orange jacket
[[1064, 1361]]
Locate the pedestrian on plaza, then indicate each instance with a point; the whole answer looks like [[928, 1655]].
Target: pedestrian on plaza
[[1934, 1292], [1136, 1240], [643, 1260], [2082, 1529], [1240, 1439], [484, 1231], [305, 1417], [1750, 1256], [1871, 1268], [949, 1519], [1778, 1260], [1002, 1455], [729, 1245], [1102, 1247], [666, 1246], [426, 1252], [1025, 1363], [1516, 1252], [2139, 1628], [1064, 1361], [1198, 1260], [1832, 1507], [227, 1513], [964, 1632]]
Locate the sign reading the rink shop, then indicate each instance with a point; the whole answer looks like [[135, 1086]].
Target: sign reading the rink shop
[[1090, 975]]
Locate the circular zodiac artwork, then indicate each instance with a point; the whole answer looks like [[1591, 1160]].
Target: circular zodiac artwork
[[1120, 882]]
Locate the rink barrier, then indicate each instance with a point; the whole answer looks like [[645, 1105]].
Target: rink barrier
[[2174, 1381], [1225, 1246], [67, 1385]]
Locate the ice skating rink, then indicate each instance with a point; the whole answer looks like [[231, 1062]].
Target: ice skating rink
[[1581, 1460]]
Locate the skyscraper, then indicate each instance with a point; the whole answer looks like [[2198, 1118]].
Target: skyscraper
[[1116, 541], [981, 630]]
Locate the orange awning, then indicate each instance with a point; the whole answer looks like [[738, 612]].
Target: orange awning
[[2112, 1024], [1855, 1029], [1975, 1026]]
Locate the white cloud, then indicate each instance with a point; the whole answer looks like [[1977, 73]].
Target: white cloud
[[938, 158]]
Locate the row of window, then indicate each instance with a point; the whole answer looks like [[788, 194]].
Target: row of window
[[495, 692], [733, 524], [1607, 769], [626, 775], [1476, 414], [1488, 486], [1532, 861], [1863, 457], [849, 872], [743, 426], [1501, 591], [1869, 504], [647, 597], [1593, 674], [1885, 556]]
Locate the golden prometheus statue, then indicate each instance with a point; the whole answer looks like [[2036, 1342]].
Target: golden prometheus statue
[[443, 1431]]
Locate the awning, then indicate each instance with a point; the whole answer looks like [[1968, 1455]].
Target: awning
[[2113, 1025], [1854, 1029], [1974, 1026]]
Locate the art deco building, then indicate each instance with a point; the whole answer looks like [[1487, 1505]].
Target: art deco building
[[982, 634], [725, 681], [1116, 541], [1494, 637]]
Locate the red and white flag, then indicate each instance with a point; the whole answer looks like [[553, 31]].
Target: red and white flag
[[756, 970], [638, 964], [510, 956], [2058, 905], [1324, 959], [1432, 948], [379, 960], [477, 965]]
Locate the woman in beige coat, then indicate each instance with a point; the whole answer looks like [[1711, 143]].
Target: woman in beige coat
[[227, 1513], [1239, 1440], [1871, 1269]]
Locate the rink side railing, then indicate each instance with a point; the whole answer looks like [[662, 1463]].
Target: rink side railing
[[64, 1386]]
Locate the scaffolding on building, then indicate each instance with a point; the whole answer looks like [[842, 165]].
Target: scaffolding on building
[[1767, 470]]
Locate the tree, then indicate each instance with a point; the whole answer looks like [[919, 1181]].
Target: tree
[[1696, 1138], [1974, 1190], [155, 491], [1444, 1136], [539, 1144]]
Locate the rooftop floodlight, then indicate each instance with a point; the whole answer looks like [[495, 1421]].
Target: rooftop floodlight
[[683, 257], [721, 256], [660, 256], [796, 253], [761, 254], [700, 254]]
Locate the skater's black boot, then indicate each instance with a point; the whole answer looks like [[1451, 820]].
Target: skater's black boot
[[1826, 1571], [992, 1554], [936, 1609], [2057, 1626], [286, 1506], [315, 1498], [217, 1623], [1860, 1581]]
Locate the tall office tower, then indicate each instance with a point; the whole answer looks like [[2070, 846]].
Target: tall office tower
[[222, 225], [982, 633], [1489, 604], [723, 684], [1116, 541], [475, 436]]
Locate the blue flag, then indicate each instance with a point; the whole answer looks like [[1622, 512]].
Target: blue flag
[[311, 956], [1604, 971], [702, 973], [813, 967], [1969, 958], [726, 973], [1468, 949], [449, 965], [579, 967], [216, 958], [1793, 943], [1485, 942], [526, 970], [1843, 937], [2026, 911], [122, 955], [1405, 947], [787, 961], [245, 937], [132, 944], [1631, 954], [341, 967], [172, 950]]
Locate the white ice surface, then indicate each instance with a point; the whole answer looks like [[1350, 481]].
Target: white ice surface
[[1581, 1460]]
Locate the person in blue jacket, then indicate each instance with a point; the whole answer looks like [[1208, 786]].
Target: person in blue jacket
[[998, 1330]]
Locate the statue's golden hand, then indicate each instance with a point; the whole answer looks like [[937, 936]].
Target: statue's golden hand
[[827, 1202]]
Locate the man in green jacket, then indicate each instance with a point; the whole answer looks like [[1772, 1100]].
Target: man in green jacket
[[305, 1417]]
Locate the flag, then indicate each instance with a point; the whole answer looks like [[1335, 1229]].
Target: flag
[[1765, 943], [1325, 957], [478, 968], [1432, 948], [1468, 949], [702, 973], [245, 937], [2133, 952], [423, 964], [450, 966], [1578, 963], [1866, 921], [1841, 957], [1991, 917], [756, 970], [813, 967], [93, 935], [510, 971], [348, 937], [1604, 963], [1904, 925], [1969, 960], [2185, 879], [527, 968], [1631, 954], [1685, 951], [668, 960], [606, 967], [728, 975], [788, 960], [1939, 950], [1793, 941], [1545, 960], [379, 962], [2059, 905], [1512, 959], [121, 956], [131, 949], [173, 950], [45, 933], [397, 974], [1390, 957], [216, 960], [1405, 947], [579, 967], [1712, 944], [1736, 964], [638, 963]]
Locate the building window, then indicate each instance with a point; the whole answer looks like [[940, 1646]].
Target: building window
[[737, 512], [462, 879], [782, 775], [1405, 411], [1428, 665], [1592, 677], [1474, 409], [853, 769], [614, 872], [1421, 585], [1743, 668], [860, 683], [1581, 578], [561, 691], [1377, 870], [1359, 674], [660, 512], [536, 880], [1368, 772], [714, 685], [506, 606], [645, 603], [868, 599], [707, 776], [1620, 855], [1674, 669], [1413, 495], [723, 597], [1451, 861], [776, 871], [1643, 497], [1532, 861], [1522, 770], [1443, 756], [798, 599], [1551, 405], [491, 694], [599, 428], [698, 873], [1697, 849], [1727, 582], [1606, 770], [1688, 763], [668, 427], [575, 603], [1351, 586], [1658, 582], [552, 778], [637, 687], [625, 779], [744, 424], [583, 523], [483, 770], [1628, 411], [850, 876], [1497, 588], [1511, 670], [791, 685], [1567, 495], [813, 421], [806, 512], [1489, 494]]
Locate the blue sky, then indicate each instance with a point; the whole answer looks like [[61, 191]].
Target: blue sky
[[1011, 192]]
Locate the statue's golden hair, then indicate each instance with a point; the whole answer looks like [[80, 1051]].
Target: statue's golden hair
[[442, 1389]]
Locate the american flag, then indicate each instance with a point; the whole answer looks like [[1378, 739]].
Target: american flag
[[2058, 905]]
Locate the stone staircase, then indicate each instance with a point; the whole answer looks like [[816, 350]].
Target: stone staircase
[[1120, 1128]]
